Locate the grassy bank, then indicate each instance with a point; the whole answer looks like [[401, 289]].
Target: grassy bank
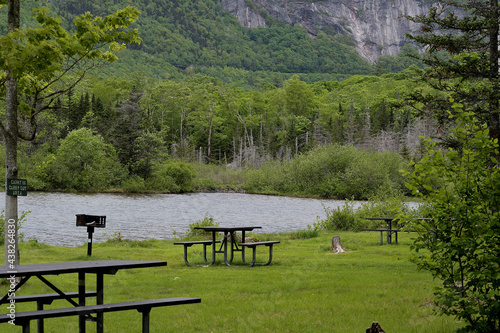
[[307, 288]]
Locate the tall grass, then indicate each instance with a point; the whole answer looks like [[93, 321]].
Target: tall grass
[[307, 288]]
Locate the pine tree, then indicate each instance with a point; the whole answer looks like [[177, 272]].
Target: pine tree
[[462, 43]]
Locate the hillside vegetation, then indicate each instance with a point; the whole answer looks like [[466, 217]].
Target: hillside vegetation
[[184, 37], [202, 89]]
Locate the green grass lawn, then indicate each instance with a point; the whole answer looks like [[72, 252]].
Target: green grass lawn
[[307, 288]]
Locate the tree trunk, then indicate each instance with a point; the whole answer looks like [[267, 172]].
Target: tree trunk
[[494, 54], [350, 133], [210, 130], [336, 247], [10, 135]]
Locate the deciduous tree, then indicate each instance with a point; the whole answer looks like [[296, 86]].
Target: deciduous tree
[[459, 245], [35, 64]]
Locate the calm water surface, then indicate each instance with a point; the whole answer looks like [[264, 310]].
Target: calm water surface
[[53, 215]]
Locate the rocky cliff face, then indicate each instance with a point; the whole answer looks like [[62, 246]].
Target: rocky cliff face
[[376, 26]]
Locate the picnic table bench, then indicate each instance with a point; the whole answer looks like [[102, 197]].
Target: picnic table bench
[[388, 229], [23, 318], [254, 245], [389, 232], [188, 244], [46, 299]]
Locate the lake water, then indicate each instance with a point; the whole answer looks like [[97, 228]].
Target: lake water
[[141, 216]]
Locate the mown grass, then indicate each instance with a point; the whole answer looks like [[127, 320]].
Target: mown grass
[[307, 288]]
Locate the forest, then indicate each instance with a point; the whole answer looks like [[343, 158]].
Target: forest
[[147, 134], [200, 89]]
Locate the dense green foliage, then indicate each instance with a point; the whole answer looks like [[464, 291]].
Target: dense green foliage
[[83, 162], [143, 125], [146, 125], [462, 61], [460, 244], [331, 171], [201, 33], [352, 217], [460, 183]]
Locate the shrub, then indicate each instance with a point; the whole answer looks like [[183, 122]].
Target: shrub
[[205, 222], [331, 171], [133, 183], [85, 162], [175, 177], [460, 245], [342, 218], [351, 218]]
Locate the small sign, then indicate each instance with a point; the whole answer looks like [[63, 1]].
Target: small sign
[[17, 186]]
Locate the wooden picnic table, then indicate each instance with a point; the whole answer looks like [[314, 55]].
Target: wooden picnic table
[[82, 268]]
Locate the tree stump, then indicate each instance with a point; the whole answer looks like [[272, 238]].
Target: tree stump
[[375, 328], [336, 247]]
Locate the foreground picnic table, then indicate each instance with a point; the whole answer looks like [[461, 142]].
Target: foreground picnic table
[[82, 268]]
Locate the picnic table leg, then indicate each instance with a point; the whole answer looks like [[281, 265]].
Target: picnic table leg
[[186, 246], [205, 253], [39, 306], [389, 236], [233, 245], [26, 327], [254, 248], [100, 300], [242, 247], [81, 300], [214, 236], [145, 319], [224, 240]]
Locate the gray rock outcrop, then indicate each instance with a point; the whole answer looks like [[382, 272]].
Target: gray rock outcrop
[[376, 26]]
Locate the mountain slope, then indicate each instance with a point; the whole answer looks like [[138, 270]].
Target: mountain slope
[[375, 26], [257, 42], [201, 33]]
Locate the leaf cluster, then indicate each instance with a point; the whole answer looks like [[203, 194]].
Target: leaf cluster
[[460, 244]]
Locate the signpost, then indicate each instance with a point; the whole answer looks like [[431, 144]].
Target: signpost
[[17, 187]]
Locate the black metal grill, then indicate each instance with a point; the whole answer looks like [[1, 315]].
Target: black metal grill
[[84, 220]]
